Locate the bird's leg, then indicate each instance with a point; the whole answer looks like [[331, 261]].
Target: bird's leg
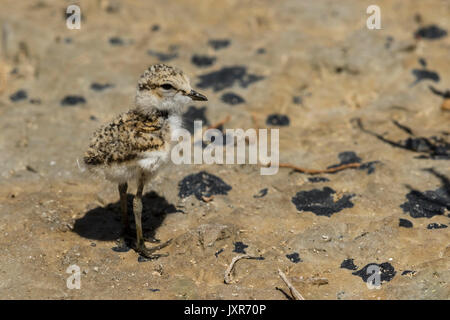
[[137, 209], [123, 187]]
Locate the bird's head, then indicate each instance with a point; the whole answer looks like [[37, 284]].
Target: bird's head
[[165, 88]]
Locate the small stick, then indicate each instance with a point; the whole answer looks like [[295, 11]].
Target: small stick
[[220, 123], [312, 171], [294, 292], [228, 277]]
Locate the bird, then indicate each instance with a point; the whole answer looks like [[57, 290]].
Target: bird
[[135, 145]]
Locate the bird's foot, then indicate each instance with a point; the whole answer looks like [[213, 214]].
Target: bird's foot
[[149, 252], [152, 240]]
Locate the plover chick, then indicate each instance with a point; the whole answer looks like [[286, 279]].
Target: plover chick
[[135, 144]]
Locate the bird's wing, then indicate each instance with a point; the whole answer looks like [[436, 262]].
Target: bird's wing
[[125, 138]]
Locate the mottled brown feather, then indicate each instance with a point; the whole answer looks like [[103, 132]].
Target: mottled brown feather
[[126, 137]]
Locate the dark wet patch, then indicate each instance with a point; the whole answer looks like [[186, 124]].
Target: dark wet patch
[[239, 247], [431, 32], [348, 264], [202, 60], [122, 248], [427, 204], [294, 257], [73, 100], [153, 290], [348, 157], [423, 62], [18, 95], [193, 113], [155, 27], [435, 148], [437, 226], [321, 202], [405, 223], [227, 77], [297, 100], [116, 41], [101, 86], [218, 44], [35, 101], [202, 184], [444, 94], [163, 56], [232, 98], [407, 272], [261, 51], [277, 120], [219, 252], [423, 74], [93, 118], [261, 193], [386, 269], [318, 179]]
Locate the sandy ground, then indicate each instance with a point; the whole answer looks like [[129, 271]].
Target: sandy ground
[[337, 91]]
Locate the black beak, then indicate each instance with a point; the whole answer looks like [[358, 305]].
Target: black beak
[[194, 95]]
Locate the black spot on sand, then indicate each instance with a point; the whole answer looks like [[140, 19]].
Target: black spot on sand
[[192, 114], [427, 204], [218, 44], [19, 95], [162, 56], [407, 272], [202, 184], [348, 264], [423, 62], [227, 77], [294, 257], [297, 100], [232, 98], [101, 86], [155, 27], [386, 269], [203, 61], [318, 179], [431, 32], [239, 247], [121, 248], [423, 74], [405, 223], [277, 120], [116, 41], [35, 101], [437, 226], [347, 157], [261, 193], [153, 290], [261, 51], [73, 100], [443, 94], [321, 202]]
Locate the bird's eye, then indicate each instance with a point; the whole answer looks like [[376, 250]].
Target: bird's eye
[[167, 86]]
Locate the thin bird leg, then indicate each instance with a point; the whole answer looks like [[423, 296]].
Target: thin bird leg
[[140, 244], [123, 187]]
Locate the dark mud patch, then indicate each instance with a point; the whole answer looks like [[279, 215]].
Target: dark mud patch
[[424, 74], [232, 98], [163, 56], [101, 86], [405, 223], [437, 226], [202, 61], [261, 193], [18, 96], [431, 32], [280, 120], [387, 272], [427, 204], [202, 184], [239, 247], [348, 264], [321, 202], [318, 179], [218, 44], [227, 77], [72, 101], [347, 157], [294, 257]]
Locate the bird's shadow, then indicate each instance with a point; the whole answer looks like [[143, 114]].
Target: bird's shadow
[[104, 223]]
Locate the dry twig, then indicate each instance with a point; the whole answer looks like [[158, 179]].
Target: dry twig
[[313, 171], [228, 277], [294, 292]]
